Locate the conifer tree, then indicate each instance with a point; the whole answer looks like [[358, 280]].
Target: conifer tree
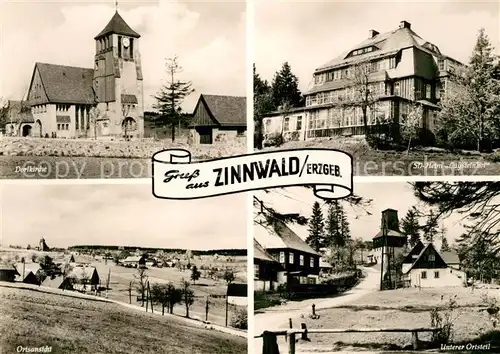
[[332, 230], [285, 87], [316, 228], [431, 227], [411, 227]]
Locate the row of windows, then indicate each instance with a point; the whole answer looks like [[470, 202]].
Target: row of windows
[[62, 107], [40, 109], [339, 117], [104, 43], [291, 259], [350, 72], [63, 126], [347, 94], [362, 51], [286, 124], [37, 91], [424, 275]]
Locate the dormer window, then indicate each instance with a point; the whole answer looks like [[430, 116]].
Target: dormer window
[[362, 51]]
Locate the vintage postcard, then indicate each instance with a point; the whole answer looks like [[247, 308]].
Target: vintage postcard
[[395, 267], [96, 88], [407, 88], [111, 269]]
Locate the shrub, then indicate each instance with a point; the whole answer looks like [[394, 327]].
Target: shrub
[[275, 139], [444, 320], [240, 319]]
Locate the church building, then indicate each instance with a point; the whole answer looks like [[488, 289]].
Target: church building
[[105, 101]]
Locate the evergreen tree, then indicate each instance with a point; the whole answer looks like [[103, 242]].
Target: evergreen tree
[[345, 229], [171, 96], [285, 87], [469, 110], [445, 247], [332, 231], [431, 227], [263, 103], [411, 227], [316, 228]]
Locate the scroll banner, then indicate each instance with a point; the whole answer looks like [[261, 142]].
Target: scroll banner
[[328, 171]]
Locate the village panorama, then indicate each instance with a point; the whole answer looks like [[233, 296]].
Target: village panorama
[[172, 290], [107, 118], [397, 267]]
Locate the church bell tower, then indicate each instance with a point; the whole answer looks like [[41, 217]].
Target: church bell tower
[[118, 83]]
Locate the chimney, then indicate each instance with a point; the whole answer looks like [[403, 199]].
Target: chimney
[[372, 33], [404, 24], [390, 219]]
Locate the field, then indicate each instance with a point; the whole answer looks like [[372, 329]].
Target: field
[[428, 162], [71, 325], [403, 308], [120, 278]]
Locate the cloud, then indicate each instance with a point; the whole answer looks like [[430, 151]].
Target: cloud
[[125, 215], [308, 34], [209, 54]]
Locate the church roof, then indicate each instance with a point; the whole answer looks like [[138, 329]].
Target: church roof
[[67, 84], [227, 110], [117, 25]]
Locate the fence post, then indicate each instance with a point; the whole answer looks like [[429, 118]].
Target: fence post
[[206, 311], [304, 332], [291, 343], [414, 339], [150, 298], [147, 298], [270, 343], [290, 322], [130, 293], [313, 309]]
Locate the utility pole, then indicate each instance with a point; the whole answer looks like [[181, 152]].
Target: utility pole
[[206, 310], [384, 236]]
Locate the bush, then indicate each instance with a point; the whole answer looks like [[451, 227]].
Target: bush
[[240, 319], [275, 139]]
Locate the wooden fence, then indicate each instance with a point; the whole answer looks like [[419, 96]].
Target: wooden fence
[[270, 338]]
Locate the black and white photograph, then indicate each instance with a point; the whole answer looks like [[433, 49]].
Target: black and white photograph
[[407, 88], [397, 267], [93, 89], [108, 268]]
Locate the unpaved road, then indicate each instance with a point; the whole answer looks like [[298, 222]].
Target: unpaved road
[[277, 317]]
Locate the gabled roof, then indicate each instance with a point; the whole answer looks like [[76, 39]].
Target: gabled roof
[[226, 110], [118, 25], [450, 257], [430, 247], [134, 259], [260, 253], [56, 282], [414, 253], [28, 267], [283, 237], [79, 272], [384, 44], [66, 84]]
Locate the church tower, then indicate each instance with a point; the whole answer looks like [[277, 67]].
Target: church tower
[[117, 83]]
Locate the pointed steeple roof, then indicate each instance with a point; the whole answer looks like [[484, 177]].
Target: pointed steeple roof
[[118, 25]]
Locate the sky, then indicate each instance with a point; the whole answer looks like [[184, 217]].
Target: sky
[[384, 195], [309, 34], [118, 214], [209, 38]]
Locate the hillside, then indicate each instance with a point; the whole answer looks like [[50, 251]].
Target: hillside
[[34, 319]]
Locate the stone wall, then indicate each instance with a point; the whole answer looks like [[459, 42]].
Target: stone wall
[[16, 146]]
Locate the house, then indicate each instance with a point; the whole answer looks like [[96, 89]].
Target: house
[[62, 98], [218, 118], [389, 74], [83, 277], [18, 118], [299, 262], [425, 267], [8, 272], [134, 261], [28, 273], [265, 268], [58, 282]]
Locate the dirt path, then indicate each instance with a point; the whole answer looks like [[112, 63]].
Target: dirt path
[[277, 317]]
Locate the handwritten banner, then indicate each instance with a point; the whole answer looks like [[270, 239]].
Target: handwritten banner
[[328, 171]]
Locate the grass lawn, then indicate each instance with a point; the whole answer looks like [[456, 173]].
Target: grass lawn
[[71, 325], [403, 308], [370, 162]]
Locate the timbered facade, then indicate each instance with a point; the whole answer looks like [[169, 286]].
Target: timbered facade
[[104, 102], [390, 75], [218, 118]]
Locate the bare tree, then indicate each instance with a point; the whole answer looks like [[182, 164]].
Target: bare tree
[[410, 126], [142, 282], [187, 296]]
